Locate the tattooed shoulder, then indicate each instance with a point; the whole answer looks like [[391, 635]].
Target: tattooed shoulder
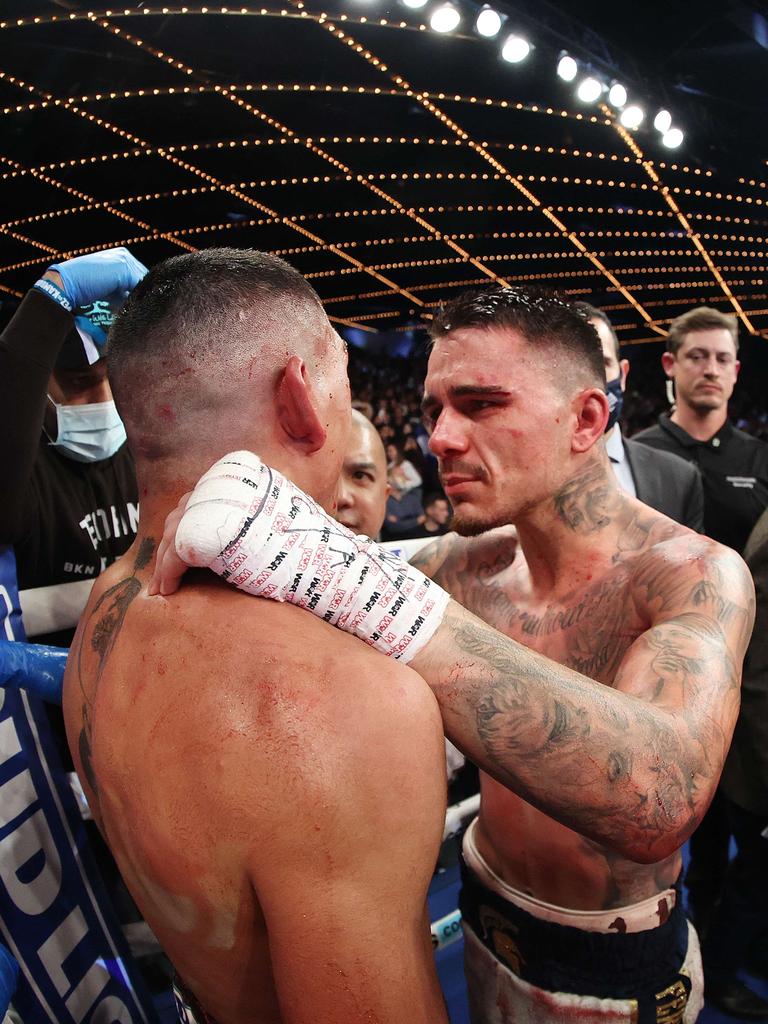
[[432, 558], [95, 642], [691, 572]]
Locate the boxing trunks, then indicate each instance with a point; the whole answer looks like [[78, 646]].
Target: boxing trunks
[[188, 1008], [533, 963]]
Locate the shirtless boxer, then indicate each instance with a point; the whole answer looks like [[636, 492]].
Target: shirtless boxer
[[272, 790], [603, 722]]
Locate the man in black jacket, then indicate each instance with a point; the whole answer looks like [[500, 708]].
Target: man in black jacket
[[70, 503], [663, 481], [738, 934], [702, 363]]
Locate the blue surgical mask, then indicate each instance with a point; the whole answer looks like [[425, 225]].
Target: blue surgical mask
[[615, 402], [88, 433]]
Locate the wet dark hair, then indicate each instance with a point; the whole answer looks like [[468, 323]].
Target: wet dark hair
[[543, 317]]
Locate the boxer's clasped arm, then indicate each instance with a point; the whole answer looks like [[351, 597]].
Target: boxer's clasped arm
[[264, 535], [632, 770]]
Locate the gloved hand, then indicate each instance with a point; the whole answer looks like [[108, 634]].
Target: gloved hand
[[33, 667], [264, 535], [99, 275]]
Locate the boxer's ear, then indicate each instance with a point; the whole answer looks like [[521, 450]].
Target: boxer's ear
[[591, 412], [297, 412]]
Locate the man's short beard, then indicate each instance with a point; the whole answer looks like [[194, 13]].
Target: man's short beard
[[706, 405], [475, 525]]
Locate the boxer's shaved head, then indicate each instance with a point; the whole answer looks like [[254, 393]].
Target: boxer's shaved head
[[229, 349], [202, 338]]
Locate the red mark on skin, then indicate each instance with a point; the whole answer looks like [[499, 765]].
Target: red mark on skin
[[144, 492], [250, 367], [165, 412], [161, 668]]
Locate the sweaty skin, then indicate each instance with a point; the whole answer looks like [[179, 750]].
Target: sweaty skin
[[657, 613], [273, 792]]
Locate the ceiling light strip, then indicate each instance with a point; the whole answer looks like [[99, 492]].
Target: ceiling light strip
[[94, 203], [479, 149], [691, 233], [360, 179], [71, 106]]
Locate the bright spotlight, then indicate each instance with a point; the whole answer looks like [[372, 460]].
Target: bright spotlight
[[617, 95], [415, 5], [673, 138], [567, 68], [632, 117], [589, 89], [663, 121], [515, 49], [445, 18], [488, 23]]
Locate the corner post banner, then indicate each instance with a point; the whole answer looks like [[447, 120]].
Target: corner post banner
[[55, 916]]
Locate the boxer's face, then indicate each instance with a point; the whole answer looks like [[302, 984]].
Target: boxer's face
[[500, 423]]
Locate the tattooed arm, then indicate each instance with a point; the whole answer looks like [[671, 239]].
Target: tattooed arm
[[633, 767]]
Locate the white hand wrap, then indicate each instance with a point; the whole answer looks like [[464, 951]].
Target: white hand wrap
[[264, 535]]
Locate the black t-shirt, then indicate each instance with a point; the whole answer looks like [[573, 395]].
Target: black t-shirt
[[79, 517], [66, 520], [734, 470]]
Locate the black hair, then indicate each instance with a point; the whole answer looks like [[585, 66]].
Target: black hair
[[542, 316], [184, 294]]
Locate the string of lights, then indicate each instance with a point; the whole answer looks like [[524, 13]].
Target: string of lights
[[360, 179], [95, 203], [352, 43], [287, 221], [685, 223], [615, 172]]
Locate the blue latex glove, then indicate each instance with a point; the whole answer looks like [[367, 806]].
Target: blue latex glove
[[33, 667], [9, 978], [99, 275]]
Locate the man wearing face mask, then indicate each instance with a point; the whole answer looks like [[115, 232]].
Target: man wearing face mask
[[660, 479], [70, 505]]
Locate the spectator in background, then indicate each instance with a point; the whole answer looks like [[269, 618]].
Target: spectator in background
[[738, 932], [403, 475], [363, 487], [664, 481], [702, 364], [70, 503], [437, 516]]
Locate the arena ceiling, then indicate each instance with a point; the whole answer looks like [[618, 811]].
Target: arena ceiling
[[391, 164]]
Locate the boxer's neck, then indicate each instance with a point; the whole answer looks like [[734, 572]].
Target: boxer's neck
[[565, 537]]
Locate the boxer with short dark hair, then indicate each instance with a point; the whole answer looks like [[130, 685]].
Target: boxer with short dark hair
[[273, 791], [602, 718]]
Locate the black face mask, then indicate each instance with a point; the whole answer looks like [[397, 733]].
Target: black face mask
[[615, 402]]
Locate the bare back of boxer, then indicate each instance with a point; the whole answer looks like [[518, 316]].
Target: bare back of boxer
[[273, 792], [583, 575], [275, 806]]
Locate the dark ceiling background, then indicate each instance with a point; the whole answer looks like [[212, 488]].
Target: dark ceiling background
[[392, 165]]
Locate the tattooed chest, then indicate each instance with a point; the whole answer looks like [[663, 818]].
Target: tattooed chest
[[589, 631]]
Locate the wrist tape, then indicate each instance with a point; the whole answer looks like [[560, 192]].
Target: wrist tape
[[49, 288], [264, 535]]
